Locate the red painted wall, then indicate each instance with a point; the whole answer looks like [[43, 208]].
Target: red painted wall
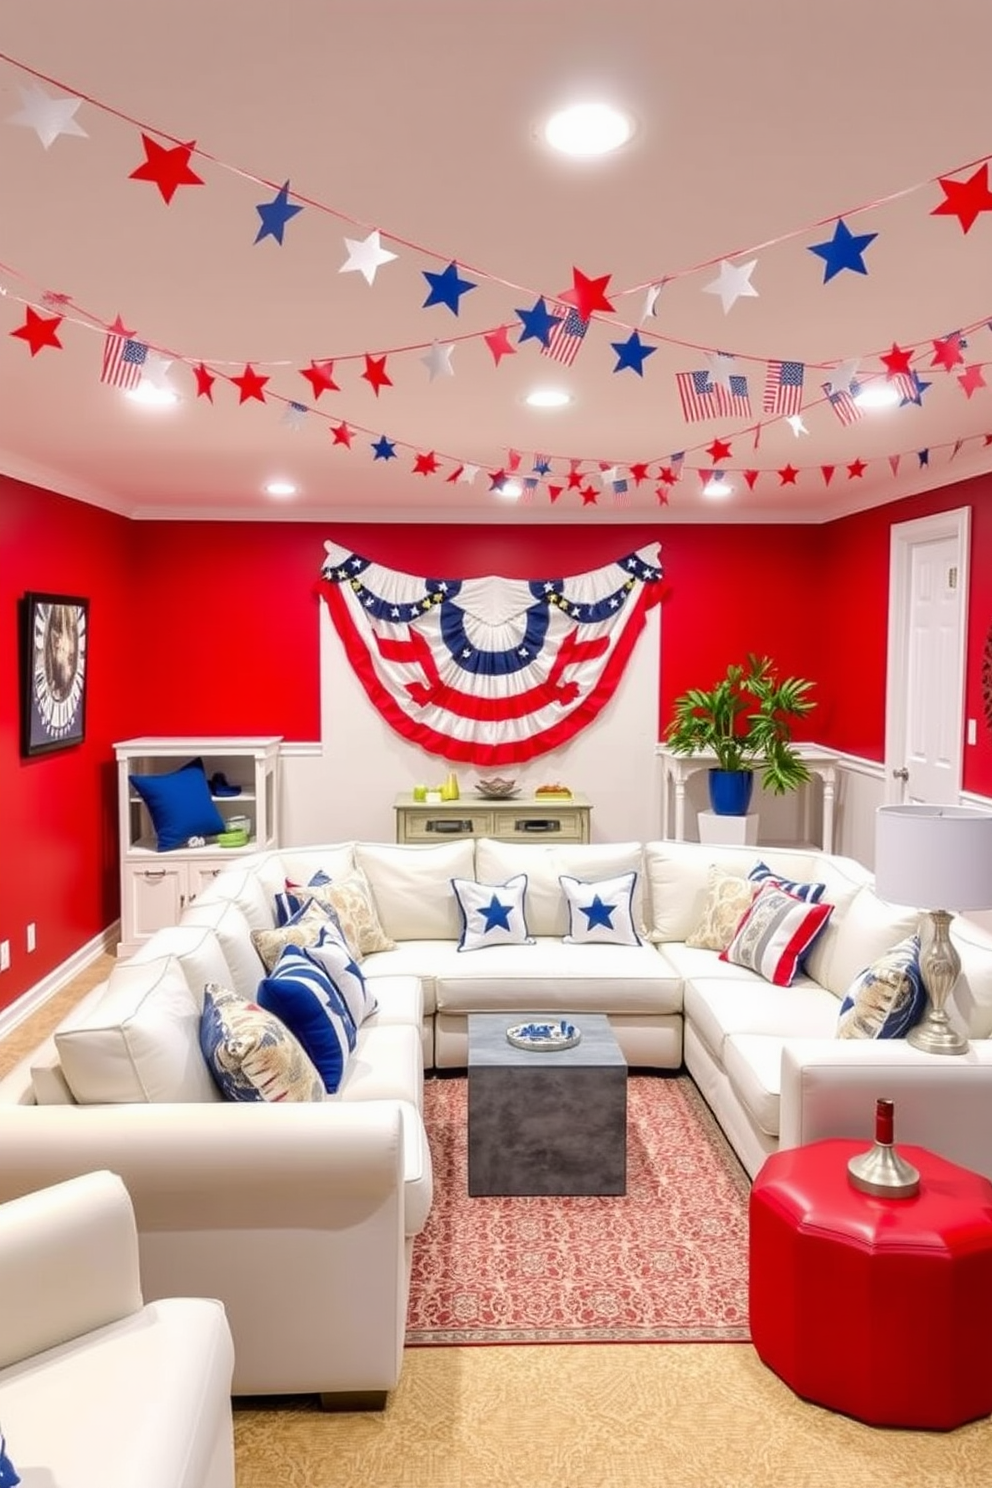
[[850, 569], [213, 628], [58, 822]]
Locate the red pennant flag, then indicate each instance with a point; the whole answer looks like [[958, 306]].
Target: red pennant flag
[[894, 463], [554, 492], [751, 476], [827, 471]]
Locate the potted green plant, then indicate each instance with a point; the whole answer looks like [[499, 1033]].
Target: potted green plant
[[745, 721]]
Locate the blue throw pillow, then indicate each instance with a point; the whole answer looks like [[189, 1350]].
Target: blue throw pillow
[[179, 804], [886, 999], [8, 1474], [302, 995], [811, 893]]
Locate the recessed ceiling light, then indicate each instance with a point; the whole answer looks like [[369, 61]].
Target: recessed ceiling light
[[510, 489], [878, 395], [717, 486], [152, 394], [588, 129], [548, 398], [280, 488]]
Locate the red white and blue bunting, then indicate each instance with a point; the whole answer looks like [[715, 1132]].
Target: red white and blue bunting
[[489, 671]]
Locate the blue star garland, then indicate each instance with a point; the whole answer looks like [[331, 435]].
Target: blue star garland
[[843, 251], [538, 322], [446, 288], [384, 449], [275, 214], [632, 353]]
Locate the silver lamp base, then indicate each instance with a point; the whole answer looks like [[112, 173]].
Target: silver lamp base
[[882, 1172], [940, 967]]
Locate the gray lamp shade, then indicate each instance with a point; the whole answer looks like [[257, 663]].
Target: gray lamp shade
[[934, 857]]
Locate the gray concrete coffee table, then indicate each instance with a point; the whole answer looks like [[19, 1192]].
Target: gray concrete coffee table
[[545, 1121]]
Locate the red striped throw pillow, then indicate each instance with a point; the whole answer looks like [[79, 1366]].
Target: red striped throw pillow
[[776, 931]]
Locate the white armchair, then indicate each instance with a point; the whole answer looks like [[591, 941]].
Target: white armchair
[[98, 1389]]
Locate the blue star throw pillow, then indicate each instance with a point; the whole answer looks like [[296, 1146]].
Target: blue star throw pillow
[[492, 914], [600, 912]]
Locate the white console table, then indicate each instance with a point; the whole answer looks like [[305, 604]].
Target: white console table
[[677, 768]]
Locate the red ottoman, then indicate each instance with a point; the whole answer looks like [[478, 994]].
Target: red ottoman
[[880, 1308]]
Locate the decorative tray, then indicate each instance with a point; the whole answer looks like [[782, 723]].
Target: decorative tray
[[560, 1035], [497, 789]]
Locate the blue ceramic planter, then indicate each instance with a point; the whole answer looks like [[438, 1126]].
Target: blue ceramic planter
[[730, 791]]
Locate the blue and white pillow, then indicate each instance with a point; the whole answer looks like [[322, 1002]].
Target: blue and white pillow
[[492, 914], [302, 994], [886, 999], [600, 912], [251, 1054], [9, 1476], [332, 954], [810, 893]]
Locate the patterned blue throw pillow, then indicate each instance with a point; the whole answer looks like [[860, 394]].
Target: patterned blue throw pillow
[[251, 1054], [812, 893], [492, 914], [886, 999], [330, 951], [302, 995]]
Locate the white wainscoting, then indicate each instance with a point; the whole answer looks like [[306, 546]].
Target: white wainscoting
[[344, 786]]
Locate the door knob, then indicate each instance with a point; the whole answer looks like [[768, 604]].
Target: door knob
[[902, 774]]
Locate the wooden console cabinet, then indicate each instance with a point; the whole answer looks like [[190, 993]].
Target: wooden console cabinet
[[522, 819]]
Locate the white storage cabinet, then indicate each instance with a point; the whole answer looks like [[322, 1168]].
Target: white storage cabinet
[[157, 886]]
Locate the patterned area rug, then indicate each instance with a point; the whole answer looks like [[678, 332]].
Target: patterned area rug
[[668, 1261]]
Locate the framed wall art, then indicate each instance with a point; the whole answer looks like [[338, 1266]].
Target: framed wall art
[[54, 662]]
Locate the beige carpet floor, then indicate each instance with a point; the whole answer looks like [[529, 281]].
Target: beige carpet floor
[[646, 1415], [706, 1415]]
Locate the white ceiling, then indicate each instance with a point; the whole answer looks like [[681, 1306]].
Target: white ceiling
[[418, 118]]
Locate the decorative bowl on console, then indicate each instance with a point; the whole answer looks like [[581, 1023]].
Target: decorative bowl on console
[[496, 788]]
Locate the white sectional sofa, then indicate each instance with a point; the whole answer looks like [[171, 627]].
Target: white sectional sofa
[[302, 1217]]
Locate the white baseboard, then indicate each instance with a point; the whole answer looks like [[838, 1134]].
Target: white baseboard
[[35, 997]]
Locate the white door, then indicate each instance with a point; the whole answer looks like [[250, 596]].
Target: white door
[[928, 603]]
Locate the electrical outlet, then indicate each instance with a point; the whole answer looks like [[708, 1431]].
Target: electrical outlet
[[31, 936], [4, 955]]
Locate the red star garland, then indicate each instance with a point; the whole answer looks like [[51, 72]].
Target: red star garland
[[856, 468], [718, 450], [575, 480], [639, 473], [587, 294], [947, 351], [972, 378], [589, 496], [499, 343], [425, 464], [320, 376], [662, 494], [375, 373], [667, 475], [250, 384], [39, 330], [751, 476], [787, 475], [204, 382], [895, 362], [965, 199], [119, 329], [169, 169], [342, 435], [827, 471]]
